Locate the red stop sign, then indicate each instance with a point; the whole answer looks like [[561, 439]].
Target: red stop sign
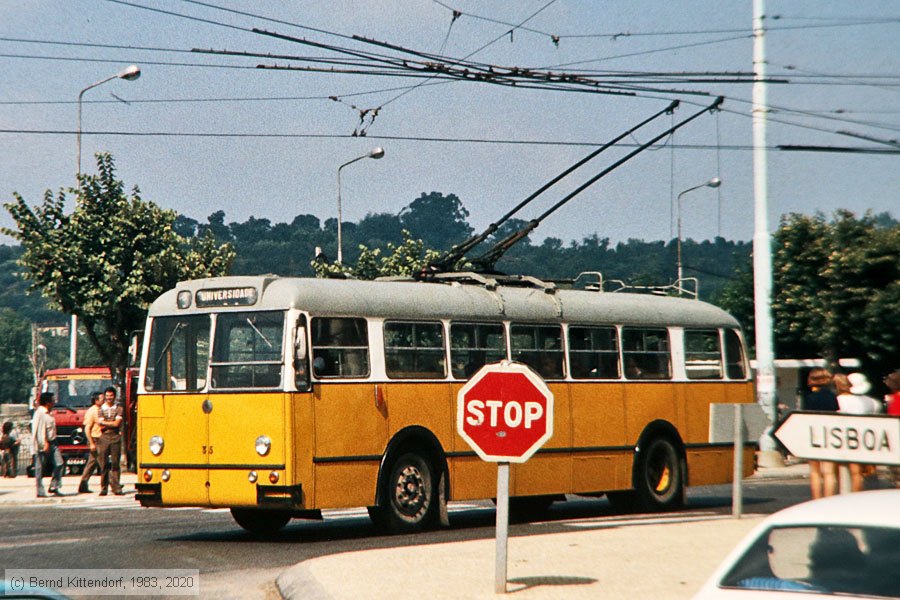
[[505, 412]]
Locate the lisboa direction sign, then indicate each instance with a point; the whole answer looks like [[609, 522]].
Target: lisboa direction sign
[[837, 437]]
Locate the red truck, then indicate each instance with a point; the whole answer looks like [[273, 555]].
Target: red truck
[[73, 389]]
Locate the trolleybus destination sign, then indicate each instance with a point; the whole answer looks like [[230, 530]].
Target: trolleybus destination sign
[[871, 439]]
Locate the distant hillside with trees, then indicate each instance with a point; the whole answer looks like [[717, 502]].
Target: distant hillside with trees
[[830, 277], [440, 221]]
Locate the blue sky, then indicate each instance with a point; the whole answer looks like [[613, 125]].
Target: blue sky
[[842, 61]]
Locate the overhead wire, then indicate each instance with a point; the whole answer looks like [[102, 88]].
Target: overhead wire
[[436, 139], [410, 88], [473, 53], [624, 34]]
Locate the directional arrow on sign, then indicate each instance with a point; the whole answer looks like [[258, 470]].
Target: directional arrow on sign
[[837, 437]]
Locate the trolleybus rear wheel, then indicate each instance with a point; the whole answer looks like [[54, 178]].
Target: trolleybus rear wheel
[[659, 476], [260, 522]]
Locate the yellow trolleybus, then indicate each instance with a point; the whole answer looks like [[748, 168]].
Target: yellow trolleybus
[[278, 397]]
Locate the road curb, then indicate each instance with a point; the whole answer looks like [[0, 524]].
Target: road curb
[[298, 583]]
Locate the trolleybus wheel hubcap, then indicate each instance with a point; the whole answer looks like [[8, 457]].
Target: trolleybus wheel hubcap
[[409, 490], [659, 474]]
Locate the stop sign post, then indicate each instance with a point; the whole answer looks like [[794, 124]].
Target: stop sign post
[[505, 413]]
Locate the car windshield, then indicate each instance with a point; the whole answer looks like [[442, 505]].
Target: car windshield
[[75, 393], [822, 559]]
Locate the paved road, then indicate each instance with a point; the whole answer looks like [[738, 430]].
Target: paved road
[[117, 533]]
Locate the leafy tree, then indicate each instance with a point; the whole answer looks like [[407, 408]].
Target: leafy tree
[[216, 226], [378, 229], [186, 227], [401, 260], [13, 291], [438, 220], [15, 348], [737, 298], [108, 259], [836, 289]]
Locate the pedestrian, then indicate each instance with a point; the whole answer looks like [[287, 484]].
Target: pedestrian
[[92, 431], [892, 398], [9, 447], [852, 399], [47, 456], [821, 397], [109, 446], [892, 403]]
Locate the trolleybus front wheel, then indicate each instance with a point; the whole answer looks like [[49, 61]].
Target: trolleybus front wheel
[[260, 522], [408, 494]]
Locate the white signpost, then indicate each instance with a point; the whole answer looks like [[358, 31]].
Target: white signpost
[[505, 413], [837, 437]]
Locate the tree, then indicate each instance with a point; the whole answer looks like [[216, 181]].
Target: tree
[[401, 260], [836, 289], [438, 220], [15, 347], [107, 260]]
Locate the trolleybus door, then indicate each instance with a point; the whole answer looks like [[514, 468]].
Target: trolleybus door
[[349, 412], [172, 408], [246, 420]]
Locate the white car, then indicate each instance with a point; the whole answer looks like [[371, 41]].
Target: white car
[[842, 546]]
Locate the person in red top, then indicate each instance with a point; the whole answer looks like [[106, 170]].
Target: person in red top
[[892, 399], [892, 402]]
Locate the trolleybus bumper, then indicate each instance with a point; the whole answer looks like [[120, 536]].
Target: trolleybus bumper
[[286, 496], [149, 494]]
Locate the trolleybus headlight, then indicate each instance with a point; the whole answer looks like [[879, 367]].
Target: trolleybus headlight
[[184, 299], [156, 445], [165, 475], [263, 445], [273, 477], [148, 475], [252, 476]]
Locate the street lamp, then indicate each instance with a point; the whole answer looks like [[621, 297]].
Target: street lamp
[[129, 73], [713, 183], [373, 153]]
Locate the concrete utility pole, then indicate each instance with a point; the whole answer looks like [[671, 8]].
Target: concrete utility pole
[[762, 246]]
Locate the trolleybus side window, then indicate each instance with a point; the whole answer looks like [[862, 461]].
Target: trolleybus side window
[[593, 353], [646, 353], [414, 350], [178, 354], [734, 355], [340, 347], [539, 347], [247, 350], [473, 345], [702, 354]]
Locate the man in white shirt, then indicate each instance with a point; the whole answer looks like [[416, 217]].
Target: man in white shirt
[[92, 432], [43, 431]]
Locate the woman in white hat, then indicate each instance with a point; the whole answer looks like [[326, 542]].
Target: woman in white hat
[[852, 392], [852, 399]]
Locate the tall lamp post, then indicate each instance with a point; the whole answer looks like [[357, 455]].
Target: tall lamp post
[[373, 153], [713, 183], [129, 73]]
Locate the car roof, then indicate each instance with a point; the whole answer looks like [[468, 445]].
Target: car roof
[[876, 508]]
